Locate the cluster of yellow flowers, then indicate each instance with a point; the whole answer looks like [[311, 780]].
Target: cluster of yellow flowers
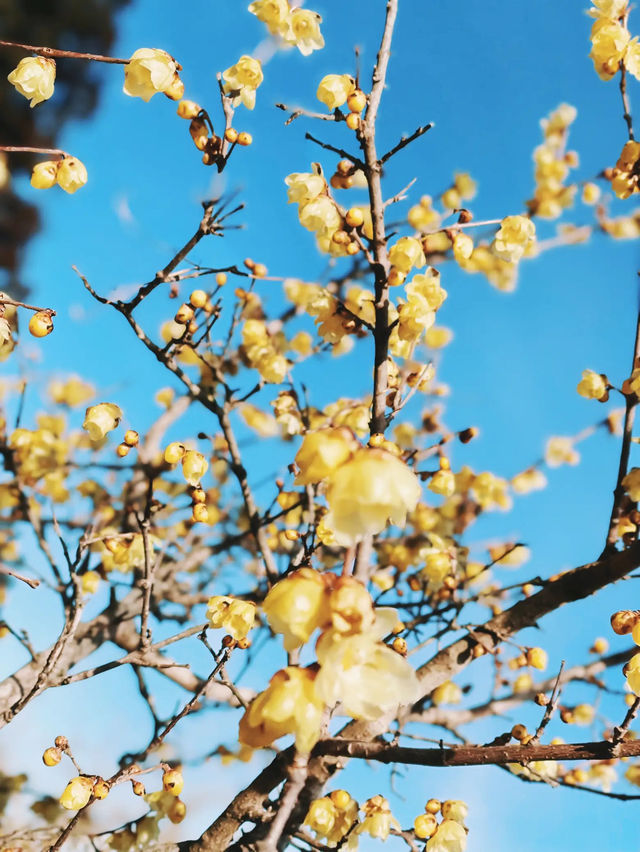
[[611, 42], [332, 817], [319, 213], [231, 614], [357, 671], [418, 313], [69, 174], [365, 486], [263, 351], [299, 27], [515, 238], [39, 452], [450, 835], [624, 177], [552, 165]]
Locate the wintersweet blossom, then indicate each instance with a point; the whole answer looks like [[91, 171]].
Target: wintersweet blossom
[[298, 605], [592, 385], [631, 483], [231, 614], [148, 72], [242, 80], [304, 31], [304, 187], [373, 487], [322, 452], [71, 174], [351, 606], [609, 40], [273, 13], [612, 9], [43, 175], [632, 673], [194, 466], [516, 236], [289, 705], [378, 819], [560, 450], [406, 253], [100, 419], [77, 793], [332, 817], [449, 837], [334, 89], [320, 215], [363, 675], [34, 77]]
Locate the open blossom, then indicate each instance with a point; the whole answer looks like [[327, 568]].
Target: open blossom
[[289, 705], [148, 72], [194, 466], [332, 818], [34, 77], [378, 820], [273, 13], [373, 487], [592, 385], [304, 187], [242, 80], [100, 419], [71, 174], [449, 837], [320, 215], [406, 253], [304, 31], [517, 235], [298, 605], [77, 793], [362, 674], [334, 89], [609, 40], [322, 452], [560, 450], [612, 9], [231, 614]]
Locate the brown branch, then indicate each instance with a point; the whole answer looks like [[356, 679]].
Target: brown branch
[[28, 580], [288, 800], [5, 300], [549, 709], [26, 149], [69, 54], [404, 141]]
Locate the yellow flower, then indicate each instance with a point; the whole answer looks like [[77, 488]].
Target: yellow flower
[[263, 423], [490, 491], [609, 40], [71, 174], [632, 58], [304, 31], [334, 89], [289, 705], [447, 693], [322, 452], [273, 13], [320, 215], [194, 466], [148, 72], [298, 605], [462, 247], [592, 385], [72, 392], [363, 675], [242, 80], [230, 614], [456, 810], [77, 793], [304, 187], [449, 837], [528, 481], [34, 77], [443, 482], [560, 450], [612, 9], [465, 185], [350, 606], [100, 419], [332, 817], [378, 819], [406, 253], [44, 175], [373, 487], [631, 483], [90, 581], [517, 235]]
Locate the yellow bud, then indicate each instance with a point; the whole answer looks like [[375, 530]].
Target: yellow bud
[[77, 793], [357, 101], [200, 513], [231, 135], [131, 437], [433, 806], [600, 646], [41, 324], [100, 788], [354, 217], [537, 657], [519, 732], [172, 781], [177, 811], [353, 121], [90, 581], [174, 452], [340, 799], [221, 279], [425, 825], [52, 756], [184, 314], [188, 109], [44, 175], [623, 622], [198, 299], [138, 788], [244, 139], [122, 450], [399, 645], [291, 535]]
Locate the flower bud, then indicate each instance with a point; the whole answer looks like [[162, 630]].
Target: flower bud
[[52, 756], [100, 419], [71, 174], [188, 109], [77, 793], [172, 781], [174, 452], [44, 175], [623, 622], [34, 78], [41, 324]]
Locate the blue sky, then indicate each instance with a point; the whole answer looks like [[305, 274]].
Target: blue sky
[[485, 72]]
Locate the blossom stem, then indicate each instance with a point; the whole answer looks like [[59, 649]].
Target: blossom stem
[[26, 149], [69, 54]]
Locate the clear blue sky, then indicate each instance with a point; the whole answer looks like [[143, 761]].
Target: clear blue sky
[[485, 72]]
